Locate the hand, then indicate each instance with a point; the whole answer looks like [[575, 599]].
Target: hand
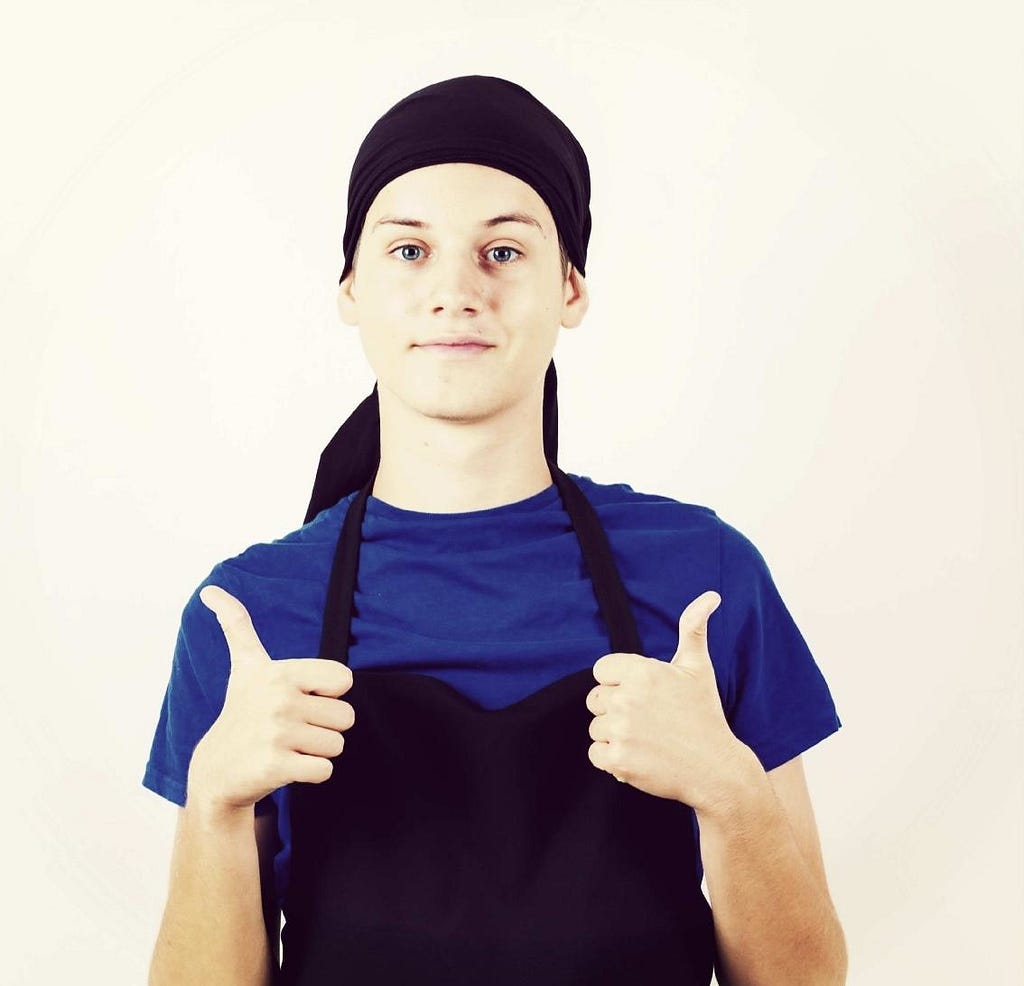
[[281, 720], [660, 725]]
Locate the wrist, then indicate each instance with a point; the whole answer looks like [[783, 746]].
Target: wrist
[[736, 781], [210, 812], [202, 799]]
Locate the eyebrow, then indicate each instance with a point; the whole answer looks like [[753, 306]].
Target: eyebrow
[[508, 217]]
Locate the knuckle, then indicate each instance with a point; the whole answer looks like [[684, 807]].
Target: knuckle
[[278, 732], [280, 709], [289, 703]]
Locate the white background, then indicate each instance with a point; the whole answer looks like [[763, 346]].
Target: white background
[[806, 312]]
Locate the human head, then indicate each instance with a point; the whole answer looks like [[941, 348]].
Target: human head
[[458, 272], [480, 120]]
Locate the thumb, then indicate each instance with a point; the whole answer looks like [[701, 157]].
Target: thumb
[[243, 643], [693, 628]]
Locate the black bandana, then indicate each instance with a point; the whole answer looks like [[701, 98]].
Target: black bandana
[[478, 119]]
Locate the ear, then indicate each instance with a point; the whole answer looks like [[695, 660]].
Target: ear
[[347, 300], [576, 300]]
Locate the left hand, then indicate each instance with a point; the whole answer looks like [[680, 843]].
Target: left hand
[[660, 725]]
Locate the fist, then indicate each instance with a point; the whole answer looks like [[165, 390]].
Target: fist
[[282, 720]]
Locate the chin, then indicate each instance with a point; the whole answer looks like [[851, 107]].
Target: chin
[[456, 407], [452, 411]]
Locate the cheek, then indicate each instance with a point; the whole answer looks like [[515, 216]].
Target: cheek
[[375, 341]]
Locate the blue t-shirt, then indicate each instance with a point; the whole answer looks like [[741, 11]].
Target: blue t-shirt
[[497, 603]]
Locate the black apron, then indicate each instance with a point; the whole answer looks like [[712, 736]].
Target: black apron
[[458, 845]]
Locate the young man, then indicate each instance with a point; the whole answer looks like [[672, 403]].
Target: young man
[[476, 807]]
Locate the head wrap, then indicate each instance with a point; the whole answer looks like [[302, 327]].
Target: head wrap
[[478, 119]]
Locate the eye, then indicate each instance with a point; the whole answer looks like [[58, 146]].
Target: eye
[[500, 263], [518, 254], [406, 246]]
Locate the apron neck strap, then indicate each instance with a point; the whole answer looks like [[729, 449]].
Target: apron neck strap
[[597, 557]]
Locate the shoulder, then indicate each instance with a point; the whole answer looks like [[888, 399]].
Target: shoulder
[[667, 550], [281, 582], [622, 502], [297, 555], [288, 554], [679, 548], [621, 506]]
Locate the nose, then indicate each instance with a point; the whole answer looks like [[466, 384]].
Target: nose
[[457, 285]]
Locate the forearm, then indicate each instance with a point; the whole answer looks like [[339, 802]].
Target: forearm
[[213, 928], [774, 923]]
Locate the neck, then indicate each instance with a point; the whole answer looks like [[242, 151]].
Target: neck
[[439, 465]]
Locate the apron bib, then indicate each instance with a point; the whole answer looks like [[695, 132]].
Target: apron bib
[[458, 845]]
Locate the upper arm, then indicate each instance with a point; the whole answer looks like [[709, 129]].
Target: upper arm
[[790, 786]]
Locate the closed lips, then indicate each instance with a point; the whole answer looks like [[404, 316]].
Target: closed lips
[[456, 341]]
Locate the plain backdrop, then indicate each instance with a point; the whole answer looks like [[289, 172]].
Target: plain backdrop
[[806, 312]]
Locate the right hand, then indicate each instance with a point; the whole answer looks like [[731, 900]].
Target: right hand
[[281, 720]]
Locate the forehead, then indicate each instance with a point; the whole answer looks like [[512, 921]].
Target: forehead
[[458, 194]]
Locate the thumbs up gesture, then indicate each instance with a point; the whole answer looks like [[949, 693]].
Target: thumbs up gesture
[[660, 725], [281, 720]]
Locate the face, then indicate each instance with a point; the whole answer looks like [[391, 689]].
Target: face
[[453, 274]]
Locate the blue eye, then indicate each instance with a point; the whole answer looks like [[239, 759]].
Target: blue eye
[[518, 253], [407, 246], [500, 263]]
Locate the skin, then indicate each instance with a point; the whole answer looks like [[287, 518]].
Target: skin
[[460, 434], [478, 421]]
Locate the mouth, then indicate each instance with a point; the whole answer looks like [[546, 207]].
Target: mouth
[[460, 339], [455, 349]]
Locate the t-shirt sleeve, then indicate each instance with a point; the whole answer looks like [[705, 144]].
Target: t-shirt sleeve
[[778, 702], [192, 701]]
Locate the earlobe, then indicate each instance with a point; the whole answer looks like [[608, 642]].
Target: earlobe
[[577, 300]]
